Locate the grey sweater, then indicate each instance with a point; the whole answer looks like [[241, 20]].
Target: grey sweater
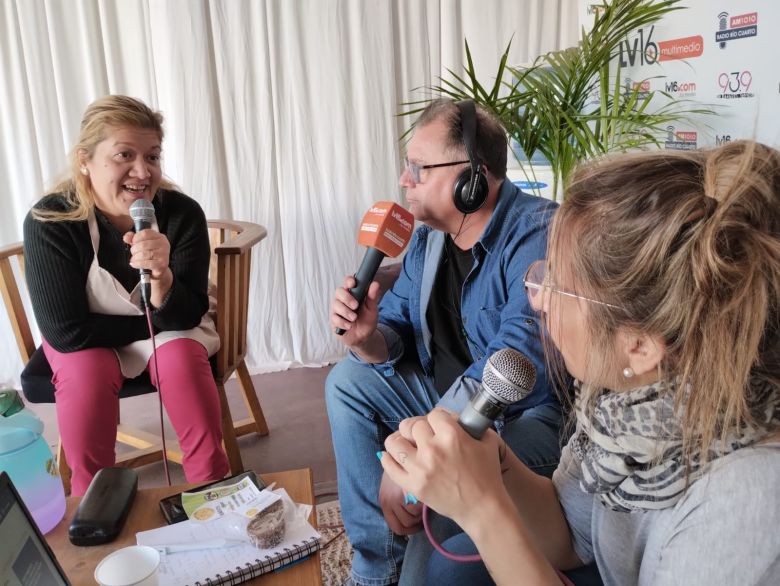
[[725, 530]]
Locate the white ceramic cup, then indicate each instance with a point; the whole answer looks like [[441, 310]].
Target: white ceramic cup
[[135, 565]]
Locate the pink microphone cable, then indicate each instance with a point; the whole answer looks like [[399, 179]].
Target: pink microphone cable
[[475, 557]]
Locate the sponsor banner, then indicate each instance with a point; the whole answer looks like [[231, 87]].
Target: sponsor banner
[[718, 55]]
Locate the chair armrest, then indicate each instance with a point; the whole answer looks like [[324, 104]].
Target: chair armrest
[[9, 291], [247, 234], [231, 266], [11, 250]]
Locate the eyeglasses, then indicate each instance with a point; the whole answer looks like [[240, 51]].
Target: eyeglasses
[[414, 169], [537, 281]]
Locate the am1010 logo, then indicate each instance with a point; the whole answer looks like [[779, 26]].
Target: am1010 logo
[[733, 28], [640, 88], [681, 140], [735, 85]]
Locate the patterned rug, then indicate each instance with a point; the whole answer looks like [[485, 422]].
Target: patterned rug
[[336, 552]]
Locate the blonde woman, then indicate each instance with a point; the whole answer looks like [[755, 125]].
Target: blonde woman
[[82, 268], [662, 294]]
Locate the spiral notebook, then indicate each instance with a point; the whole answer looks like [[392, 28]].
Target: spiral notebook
[[231, 565]]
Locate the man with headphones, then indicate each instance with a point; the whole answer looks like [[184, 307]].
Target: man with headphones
[[459, 298]]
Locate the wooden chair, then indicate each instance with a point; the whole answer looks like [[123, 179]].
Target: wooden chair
[[232, 243]]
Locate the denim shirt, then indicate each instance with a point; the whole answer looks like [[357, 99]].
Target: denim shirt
[[494, 305]]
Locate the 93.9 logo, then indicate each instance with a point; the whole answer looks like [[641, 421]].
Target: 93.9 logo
[[735, 84]]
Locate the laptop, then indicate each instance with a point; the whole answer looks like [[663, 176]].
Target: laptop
[[25, 557]]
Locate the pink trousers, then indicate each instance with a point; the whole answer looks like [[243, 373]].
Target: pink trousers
[[87, 386]]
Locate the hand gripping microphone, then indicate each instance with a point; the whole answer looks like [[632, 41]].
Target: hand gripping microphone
[[508, 377], [385, 231], [142, 212]]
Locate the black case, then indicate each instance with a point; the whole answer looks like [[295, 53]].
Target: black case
[[171, 506], [104, 507]]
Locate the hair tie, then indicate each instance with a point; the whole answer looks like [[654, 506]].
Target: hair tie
[[710, 204]]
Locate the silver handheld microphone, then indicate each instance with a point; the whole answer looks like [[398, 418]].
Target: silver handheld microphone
[[142, 213], [508, 377]]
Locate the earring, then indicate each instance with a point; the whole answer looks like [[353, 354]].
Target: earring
[[628, 372], [84, 171]]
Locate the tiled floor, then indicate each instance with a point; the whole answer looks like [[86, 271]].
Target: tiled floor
[[294, 406]]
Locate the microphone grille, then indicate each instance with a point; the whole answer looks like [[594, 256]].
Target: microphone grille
[[141, 209], [509, 375]]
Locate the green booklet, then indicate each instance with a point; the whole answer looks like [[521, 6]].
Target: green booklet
[[241, 497]]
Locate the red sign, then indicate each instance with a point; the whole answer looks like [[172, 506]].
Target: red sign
[[687, 136], [684, 48], [743, 20]]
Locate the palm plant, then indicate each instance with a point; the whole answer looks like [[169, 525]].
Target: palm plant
[[571, 105]]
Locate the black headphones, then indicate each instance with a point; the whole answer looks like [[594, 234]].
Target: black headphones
[[471, 186]]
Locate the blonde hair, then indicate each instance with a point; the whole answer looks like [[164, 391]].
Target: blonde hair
[[100, 117], [686, 246]]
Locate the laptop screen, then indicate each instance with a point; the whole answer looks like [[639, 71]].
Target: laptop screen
[[25, 558]]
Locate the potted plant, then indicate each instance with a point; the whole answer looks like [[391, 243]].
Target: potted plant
[[572, 104]]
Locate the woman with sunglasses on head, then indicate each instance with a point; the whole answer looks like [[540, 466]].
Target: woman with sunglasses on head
[[661, 295]]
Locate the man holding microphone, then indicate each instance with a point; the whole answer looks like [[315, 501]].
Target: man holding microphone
[[459, 298]]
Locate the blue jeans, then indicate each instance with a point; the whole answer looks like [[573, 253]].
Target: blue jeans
[[440, 570], [365, 404]]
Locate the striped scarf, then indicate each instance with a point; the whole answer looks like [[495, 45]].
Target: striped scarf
[[630, 446]]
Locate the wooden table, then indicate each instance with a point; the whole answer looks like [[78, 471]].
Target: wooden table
[[79, 562]]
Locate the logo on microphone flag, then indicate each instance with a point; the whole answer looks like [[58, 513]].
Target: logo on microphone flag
[[387, 227]]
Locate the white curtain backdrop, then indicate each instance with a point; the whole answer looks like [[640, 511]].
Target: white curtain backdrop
[[280, 112]]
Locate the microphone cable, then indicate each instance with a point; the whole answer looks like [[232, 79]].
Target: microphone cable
[[463, 221], [157, 386], [143, 216], [474, 557]]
